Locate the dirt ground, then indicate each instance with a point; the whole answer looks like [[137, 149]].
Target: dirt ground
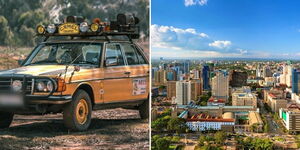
[[110, 129]]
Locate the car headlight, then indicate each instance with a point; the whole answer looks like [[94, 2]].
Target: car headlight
[[84, 27], [41, 87], [17, 85], [50, 86], [44, 85]]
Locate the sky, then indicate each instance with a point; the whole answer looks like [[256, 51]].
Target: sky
[[225, 28]]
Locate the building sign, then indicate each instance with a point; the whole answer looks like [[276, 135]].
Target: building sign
[[68, 28], [139, 86]]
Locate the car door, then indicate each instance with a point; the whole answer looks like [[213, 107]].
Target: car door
[[116, 75], [139, 71]]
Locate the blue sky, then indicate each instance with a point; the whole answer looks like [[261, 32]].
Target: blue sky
[[226, 28]]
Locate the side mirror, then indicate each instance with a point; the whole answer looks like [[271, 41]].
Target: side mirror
[[111, 62], [20, 62]]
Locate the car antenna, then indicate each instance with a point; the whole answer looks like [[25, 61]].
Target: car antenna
[[67, 66]]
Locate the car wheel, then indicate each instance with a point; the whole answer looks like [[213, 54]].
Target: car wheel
[[5, 119], [144, 109], [77, 114]]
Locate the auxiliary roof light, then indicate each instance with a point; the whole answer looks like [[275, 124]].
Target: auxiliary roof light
[[84, 27], [94, 27], [40, 29], [51, 28]]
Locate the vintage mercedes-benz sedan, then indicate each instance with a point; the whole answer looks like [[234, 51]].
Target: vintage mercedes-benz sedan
[[92, 67]]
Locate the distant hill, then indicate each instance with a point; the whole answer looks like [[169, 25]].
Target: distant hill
[[19, 18]]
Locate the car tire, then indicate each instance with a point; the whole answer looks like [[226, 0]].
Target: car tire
[[78, 113], [144, 109], [5, 119]]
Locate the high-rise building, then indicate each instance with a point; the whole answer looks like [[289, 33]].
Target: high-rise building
[[160, 77], [291, 117], [238, 79], [171, 75], [220, 84], [259, 71], [196, 89], [171, 89], [244, 99], [205, 77], [154, 69], [196, 74], [289, 76], [183, 92], [267, 72], [296, 81], [186, 66]]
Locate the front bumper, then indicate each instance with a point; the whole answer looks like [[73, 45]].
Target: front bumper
[[61, 99]]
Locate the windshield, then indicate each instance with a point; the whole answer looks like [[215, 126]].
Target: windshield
[[66, 53]]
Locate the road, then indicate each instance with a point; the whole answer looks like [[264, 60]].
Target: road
[[110, 129], [273, 126]]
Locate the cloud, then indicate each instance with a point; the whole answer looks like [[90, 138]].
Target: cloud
[[220, 44], [177, 38], [189, 43], [194, 2]]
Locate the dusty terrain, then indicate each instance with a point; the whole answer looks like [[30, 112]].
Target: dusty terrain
[[110, 129]]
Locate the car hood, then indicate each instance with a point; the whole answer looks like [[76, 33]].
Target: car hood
[[36, 70]]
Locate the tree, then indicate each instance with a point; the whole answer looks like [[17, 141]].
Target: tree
[[220, 137], [160, 124], [162, 144], [176, 125], [266, 127], [153, 141], [5, 32], [201, 140]]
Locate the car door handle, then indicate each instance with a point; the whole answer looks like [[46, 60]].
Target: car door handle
[[127, 73]]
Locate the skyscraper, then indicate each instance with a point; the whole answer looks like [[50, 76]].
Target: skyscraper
[[183, 92], [186, 66], [205, 77], [220, 84], [295, 81], [196, 73]]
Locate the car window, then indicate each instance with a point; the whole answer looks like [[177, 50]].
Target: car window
[[114, 55], [141, 58], [130, 54], [66, 53], [43, 55]]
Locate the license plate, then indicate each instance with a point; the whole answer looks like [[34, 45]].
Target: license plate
[[11, 100]]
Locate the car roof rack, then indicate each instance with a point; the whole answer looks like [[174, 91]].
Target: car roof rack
[[74, 26]]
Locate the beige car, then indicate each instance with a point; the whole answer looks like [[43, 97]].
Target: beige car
[[86, 71]]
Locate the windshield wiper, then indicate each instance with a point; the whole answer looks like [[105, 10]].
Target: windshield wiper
[[40, 62], [87, 62]]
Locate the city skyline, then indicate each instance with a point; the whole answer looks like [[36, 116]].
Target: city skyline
[[225, 29]]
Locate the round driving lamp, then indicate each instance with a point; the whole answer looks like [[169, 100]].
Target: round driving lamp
[[94, 27], [50, 86], [41, 86], [40, 29], [51, 28], [84, 27], [17, 86]]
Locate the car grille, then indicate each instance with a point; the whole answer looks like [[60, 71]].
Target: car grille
[[6, 82]]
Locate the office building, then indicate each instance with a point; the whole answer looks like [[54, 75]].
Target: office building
[[291, 118], [205, 77], [171, 89], [183, 92], [220, 85], [296, 81], [160, 77], [238, 78], [196, 89], [204, 122], [244, 99]]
